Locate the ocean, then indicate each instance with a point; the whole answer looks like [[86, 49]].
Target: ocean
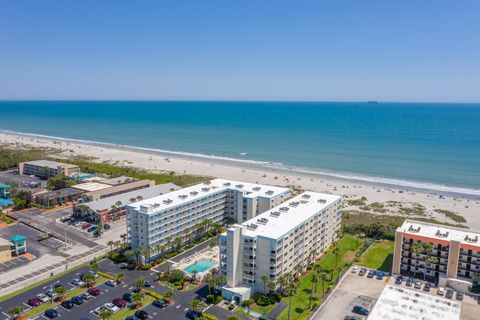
[[413, 144]]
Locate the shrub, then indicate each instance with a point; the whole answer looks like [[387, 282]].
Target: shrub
[[154, 294], [248, 303], [218, 299], [147, 266], [262, 300], [207, 316], [210, 298], [106, 275], [176, 276]]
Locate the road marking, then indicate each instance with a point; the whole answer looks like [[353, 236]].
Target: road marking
[[186, 309], [178, 306]]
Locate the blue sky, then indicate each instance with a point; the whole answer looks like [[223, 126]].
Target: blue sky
[[408, 50]]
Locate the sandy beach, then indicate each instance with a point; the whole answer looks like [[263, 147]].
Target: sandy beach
[[466, 205]]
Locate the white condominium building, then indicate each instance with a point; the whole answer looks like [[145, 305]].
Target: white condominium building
[[157, 220], [276, 241]]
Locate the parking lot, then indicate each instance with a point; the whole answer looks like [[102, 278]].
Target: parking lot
[[357, 290]]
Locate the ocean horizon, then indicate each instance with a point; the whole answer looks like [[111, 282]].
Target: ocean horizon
[[426, 145]]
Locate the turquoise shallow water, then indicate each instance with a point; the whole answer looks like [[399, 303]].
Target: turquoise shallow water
[[430, 143], [199, 266]]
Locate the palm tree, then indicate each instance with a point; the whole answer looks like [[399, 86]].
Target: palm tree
[[15, 312], [89, 279], [291, 290], [105, 314], [283, 281], [60, 291], [475, 277], [119, 277], [94, 266], [169, 295], [139, 283], [111, 243], [139, 198], [314, 283], [336, 251], [178, 242], [118, 203], [264, 280], [137, 298], [147, 251], [194, 275], [323, 276], [132, 200], [123, 236], [158, 248], [138, 251], [196, 305], [169, 242]]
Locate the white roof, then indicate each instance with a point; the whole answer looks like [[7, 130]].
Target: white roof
[[198, 191], [440, 232], [118, 180], [50, 164], [91, 186], [278, 221], [397, 303]]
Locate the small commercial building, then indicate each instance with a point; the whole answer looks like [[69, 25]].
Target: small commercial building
[[91, 186], [5, 250], [115, 207], [397, 303], [46, 169], [58, 197], [5, 191], [110, 191], [18, 245]]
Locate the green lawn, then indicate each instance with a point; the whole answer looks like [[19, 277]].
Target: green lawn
[[347, 246], [379, 256], [262, 309], [124, 313]]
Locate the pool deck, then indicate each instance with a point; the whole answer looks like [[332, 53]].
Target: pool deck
[[209, 254]]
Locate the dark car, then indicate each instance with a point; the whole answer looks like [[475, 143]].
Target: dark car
[[127, 297], [398, 280], [94, 291], [147, 283], [137, 290], [449, 294], [360, 310], [380, 275], [459, 296], [119, 302], [362, 272], [159, 304], [77, 300], [192, 314], [67, 304], [51, 313], [34, 302], [427, 287], [106, 226], [351, 318], [371, 273], [409, 282], [57, 285], [141, 314]]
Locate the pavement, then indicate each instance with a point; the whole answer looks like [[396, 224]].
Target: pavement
[[22, 181]]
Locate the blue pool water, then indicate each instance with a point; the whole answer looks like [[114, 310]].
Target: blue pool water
[[199, 266]]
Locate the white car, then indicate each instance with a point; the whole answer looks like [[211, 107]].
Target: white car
[[354, 269], [98, 310], [441, 291], [77, 282], [43, 297], [111, 283], [112, 307]]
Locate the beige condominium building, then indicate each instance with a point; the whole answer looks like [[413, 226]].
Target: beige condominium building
[[276, 241], [45, 168], [158, 220], [448, 255]]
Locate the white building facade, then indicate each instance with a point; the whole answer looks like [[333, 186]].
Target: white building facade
[[276, 241], [158, 220]]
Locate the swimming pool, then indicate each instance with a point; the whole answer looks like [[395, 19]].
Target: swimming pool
[[199, 266]]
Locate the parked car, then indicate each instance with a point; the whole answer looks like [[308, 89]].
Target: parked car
[[57, 285], [141, 314], [42, 297], [441, 291], [409, 282], [95, 275], [427, 287], [94, 291], [459, 296], [86, 226], [380, 275], [398, 280], [86, 296], [78, 282], [106, 226], [418, 284], [159, 304], [112, 307], [449, 294], [351, 318], [362, 272], [51, 313], [98, 310], [92, 228], [192, 314], [360, 310], [51, 293], [371, 273], [119, 302], [34, 302], [78, 300], [354, 269], [127, 297], [111, 283], [67, 304], [147, 283]]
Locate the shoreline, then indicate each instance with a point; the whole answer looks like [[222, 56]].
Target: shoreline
[[274, 167], [463, 204]]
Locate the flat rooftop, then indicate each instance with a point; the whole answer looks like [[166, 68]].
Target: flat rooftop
[[278, 221], [118, 180], [176, 198], [124, 198], [440, 232], [91, 186], [59, 193], [396, 303], [50, 164]]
